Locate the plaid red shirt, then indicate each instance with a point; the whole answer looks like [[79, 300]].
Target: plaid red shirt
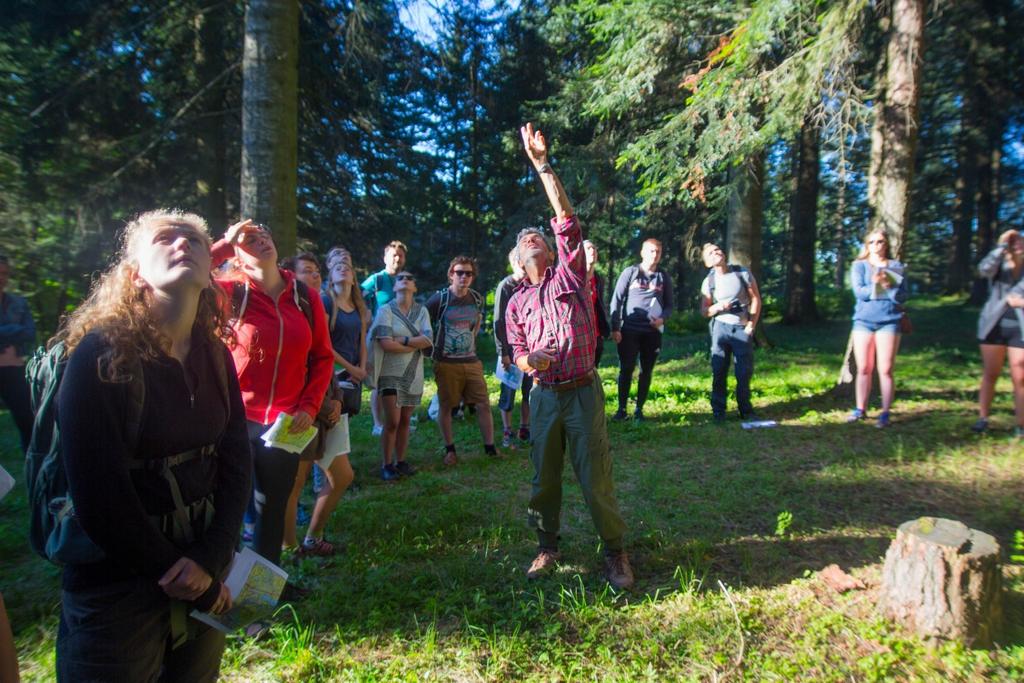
[[557, 314]]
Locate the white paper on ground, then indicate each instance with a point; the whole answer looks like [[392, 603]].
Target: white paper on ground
[[255, 584], [6, 482], [278, 435], [759, 424], [512, 378]]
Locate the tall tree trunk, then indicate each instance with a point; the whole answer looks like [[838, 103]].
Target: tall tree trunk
[[992, 89], [746, 215], [894, 134], [958, 270], [270, 118], [803, 220], [746, 219], [210, 62], [969, 144]]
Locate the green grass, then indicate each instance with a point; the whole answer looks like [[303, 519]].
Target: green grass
[[727, 530]]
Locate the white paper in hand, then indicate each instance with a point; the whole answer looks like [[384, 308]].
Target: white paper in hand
[[656, 311], [278, 435], [512, 378]]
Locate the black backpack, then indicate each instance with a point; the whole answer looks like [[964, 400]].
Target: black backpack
[[54, 531]]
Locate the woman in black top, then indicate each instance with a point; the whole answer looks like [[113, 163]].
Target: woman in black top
[[155, 312]]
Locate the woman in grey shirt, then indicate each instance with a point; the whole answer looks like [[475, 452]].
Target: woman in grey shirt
[[1001, 325]]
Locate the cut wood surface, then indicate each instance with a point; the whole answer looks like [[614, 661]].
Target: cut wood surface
[[942, 579]]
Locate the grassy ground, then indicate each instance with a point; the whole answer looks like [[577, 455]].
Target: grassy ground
[[727, 531]]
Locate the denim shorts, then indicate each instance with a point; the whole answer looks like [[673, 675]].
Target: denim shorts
[[876, 328]]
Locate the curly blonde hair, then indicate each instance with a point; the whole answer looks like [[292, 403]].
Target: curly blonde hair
[[121, 312]]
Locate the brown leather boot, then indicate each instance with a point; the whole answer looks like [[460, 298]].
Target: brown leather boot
[[617, 570]]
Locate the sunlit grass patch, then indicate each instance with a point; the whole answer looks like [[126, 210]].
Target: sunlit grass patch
[[727, 531]]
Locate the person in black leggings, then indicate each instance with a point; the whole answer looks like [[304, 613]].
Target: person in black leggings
[[284, 360], [640, 305]]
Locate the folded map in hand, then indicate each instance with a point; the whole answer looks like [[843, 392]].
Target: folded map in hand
[[255, 584]]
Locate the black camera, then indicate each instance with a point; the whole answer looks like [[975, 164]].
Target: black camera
[[735, 306]]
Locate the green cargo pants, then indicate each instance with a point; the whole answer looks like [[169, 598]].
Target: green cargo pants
[[572, 419]]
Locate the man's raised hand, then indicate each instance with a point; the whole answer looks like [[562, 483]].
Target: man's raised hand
[[535, 145]]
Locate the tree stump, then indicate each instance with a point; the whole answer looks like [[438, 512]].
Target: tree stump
[[943, 580]]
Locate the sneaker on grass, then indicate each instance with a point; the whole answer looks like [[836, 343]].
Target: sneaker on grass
[[377, 430], [980, 426], [316, 547], [507, 439], [389, 473], [404, 468]]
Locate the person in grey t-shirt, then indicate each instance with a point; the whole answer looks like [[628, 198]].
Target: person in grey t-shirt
[[729, 296]]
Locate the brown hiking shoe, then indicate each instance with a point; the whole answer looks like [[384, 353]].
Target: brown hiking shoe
[[543, 563], [450, 459], [617, 570]]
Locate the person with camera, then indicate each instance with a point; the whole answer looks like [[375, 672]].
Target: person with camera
[[730, 298]]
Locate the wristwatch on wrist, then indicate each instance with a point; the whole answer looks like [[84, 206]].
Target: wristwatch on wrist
[[406, 342], [545, 168]]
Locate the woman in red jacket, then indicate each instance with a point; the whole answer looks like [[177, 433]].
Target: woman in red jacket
[[283, 358]]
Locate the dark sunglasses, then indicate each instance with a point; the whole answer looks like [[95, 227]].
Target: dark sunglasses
[[405, 277], [463, 273]]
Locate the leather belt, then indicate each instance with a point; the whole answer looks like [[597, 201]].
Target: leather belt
[[559, 387]]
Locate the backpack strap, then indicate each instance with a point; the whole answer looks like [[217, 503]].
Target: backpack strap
[[633, 271], [441, 309], [181, 517], [301, 296], [136, 401], [739, 275]]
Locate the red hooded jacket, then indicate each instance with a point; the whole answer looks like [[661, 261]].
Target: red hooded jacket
[[283, 366]]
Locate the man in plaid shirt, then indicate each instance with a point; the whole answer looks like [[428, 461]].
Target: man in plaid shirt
[[551, 328]]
